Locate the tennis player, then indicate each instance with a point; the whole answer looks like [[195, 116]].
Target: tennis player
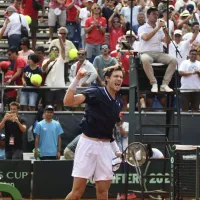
[[94, 151]]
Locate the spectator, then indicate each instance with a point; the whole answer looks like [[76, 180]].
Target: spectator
[[185, 17], [48, 136], [108, 9], [26, 51], [131, 41], [121, 133], [2, 146], [68, 45], [13, 29], [9, 94], [151, 37], [95, 28], [182, 4], [28, 97], [54, 69], [15, 127], [40, 51], [141, 18], [190, 79], [19, 64], [126, 12], [182, 46], [69, 150], [18, 6], [188, 36], [116, 27], [170, 22], [57, 9], [153, 152], [103, 61], [72, 25], [124, 59], [83, 63], [33, 14], [84, 13]]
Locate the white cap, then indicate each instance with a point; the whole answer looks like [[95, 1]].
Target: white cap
[[90, 1], [131, 33], [179, 32]]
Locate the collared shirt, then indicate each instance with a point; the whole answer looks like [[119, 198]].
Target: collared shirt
[[68, 45], [91, 72], [14, 26], [155, 43], [192, 81], [101, 113], [126, 12], [95, 36]]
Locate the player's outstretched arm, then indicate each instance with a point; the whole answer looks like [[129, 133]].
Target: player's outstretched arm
[[70, 98]]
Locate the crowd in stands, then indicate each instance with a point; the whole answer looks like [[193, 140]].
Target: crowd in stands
[[104, 35]]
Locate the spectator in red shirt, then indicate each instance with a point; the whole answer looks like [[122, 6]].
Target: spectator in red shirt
[[116, 27], [33, 13], [10, 94], [124, 59], [19, 64], [17, 5], [57, 10], [95, 28], [72, 19]]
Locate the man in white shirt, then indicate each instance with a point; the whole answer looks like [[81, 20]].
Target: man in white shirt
[[151, 36], [68, 46], [13, 29], [126, 12], [190, 79], [182, 46], [84, 13], [83, 63], [189, 35]]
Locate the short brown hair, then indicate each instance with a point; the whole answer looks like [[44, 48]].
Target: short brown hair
[[14, 103]]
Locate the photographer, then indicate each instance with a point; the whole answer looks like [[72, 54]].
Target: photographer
[[14, 129]]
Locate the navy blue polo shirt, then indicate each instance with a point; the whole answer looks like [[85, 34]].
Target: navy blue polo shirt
[[101, 113]]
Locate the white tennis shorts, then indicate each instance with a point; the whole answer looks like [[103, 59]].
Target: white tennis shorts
[[93, 159]]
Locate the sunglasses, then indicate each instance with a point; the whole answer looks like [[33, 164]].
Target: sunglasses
[[80, 54], [62, 33], [177, 35], [104, 47], [22, 44], [54, 49], [115, 22], [9, 54], [96, 8]]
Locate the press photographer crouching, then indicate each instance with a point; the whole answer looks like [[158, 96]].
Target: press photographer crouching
[[14, 128]]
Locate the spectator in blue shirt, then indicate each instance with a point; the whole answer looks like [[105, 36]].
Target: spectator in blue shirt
[[2, 146], [48, 136]]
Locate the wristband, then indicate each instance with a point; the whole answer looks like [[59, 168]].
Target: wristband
[[73, 85], [114, 146]]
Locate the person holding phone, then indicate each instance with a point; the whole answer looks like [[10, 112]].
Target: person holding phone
[[14, 127], [54, 69]]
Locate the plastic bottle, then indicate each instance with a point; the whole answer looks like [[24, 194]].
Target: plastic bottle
[[118, 196]]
